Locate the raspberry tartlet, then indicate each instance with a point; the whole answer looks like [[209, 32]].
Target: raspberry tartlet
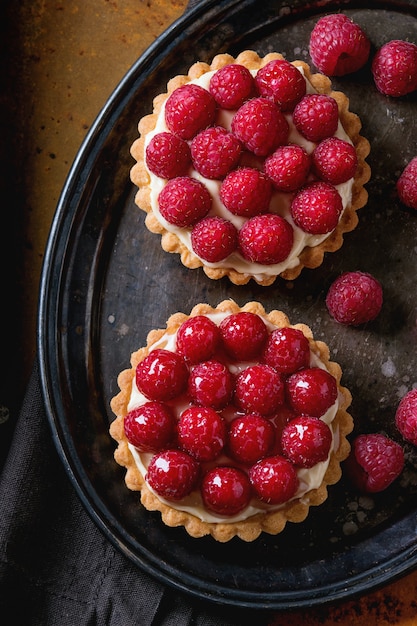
[[231, 421], [227, 151]]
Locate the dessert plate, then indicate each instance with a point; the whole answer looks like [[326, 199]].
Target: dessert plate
[[106, 282]]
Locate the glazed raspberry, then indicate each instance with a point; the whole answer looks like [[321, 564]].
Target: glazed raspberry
[[266, 239], [375, 462], [231, 86], [244, 335], [173, 474], [213, 239], [338, 46], [183, 201], [287, 350], [215, 152], [188, 110], [210, 384], [288, 167], [246, 192], [260, 126], [259, 389], [316, 116], [306, 441], [311, 391], [354, 298], [226, 490], [201, 433], [281, 82], [316, 208], [150, 427], [394, 68], [251, 437], [407, 185], [335, 160], [406, 416], [197, 338], [162, 375], [168, 156], [274, 479]]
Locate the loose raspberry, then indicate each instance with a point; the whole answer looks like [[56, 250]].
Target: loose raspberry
[[287, 350], [306, 441], [316, 116], [183, 201], [173, 474], [215, 152], [232, 85], [406, 416], [407, 185], [210, 384], [338, 46], [197, 338], [201, 433], [251, 437], [311, 391], [168, 156], [150, 427], [274, 479], [162, 375], [335, 160], [260, 126], [266, 239], [375, 462], [188, 110], [394, 68], [280, 81], [226, 490], [214, 238], [354, 298], [244, 335], [288, 167], [316, 208], [259, 389], [246, 192]]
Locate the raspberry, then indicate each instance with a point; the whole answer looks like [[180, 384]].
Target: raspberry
[[188, 110], [406, 416], [197, 338], [394, 68], [168, 156], [316, 208], [260, 126], [311, 391], [201, 433], [244, 335], [288, 167], [281, 82], [354, 298], [162, 375], [210, 384], [338, 46], [375, 462], [316, 116], [274, 479], [246, 192], [215, 152], [266, 239], [287, 350], [226, 490], [306, 441], [173, 474], [335, 160], [150, 427], [213, 239], [251, 437], [231, 86], [259, 389], [407, 185], [183, 201]]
